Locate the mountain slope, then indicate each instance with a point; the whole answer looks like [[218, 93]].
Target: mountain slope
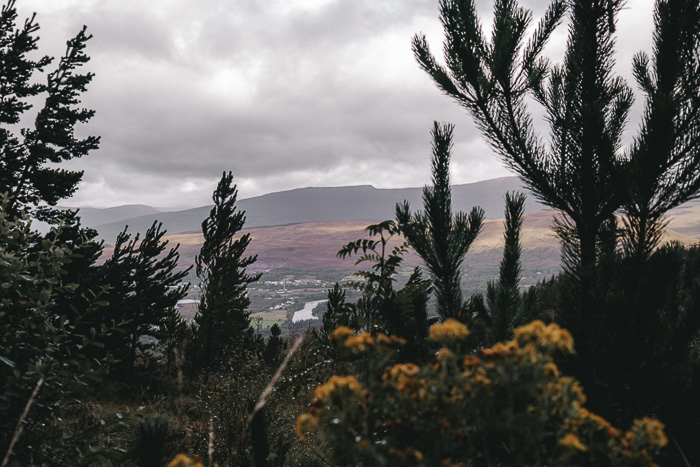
[[312, 247], [95, 216], [356, 203]]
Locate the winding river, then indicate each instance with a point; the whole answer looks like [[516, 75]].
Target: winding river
[[305, 313]]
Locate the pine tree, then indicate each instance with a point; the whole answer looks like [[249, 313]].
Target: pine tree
[[25, 156], [503, 297], [336, 314], [664, 162], [223, 318], [633, 311], [145, 285], [583, 170], [273, 352], [440, 238]]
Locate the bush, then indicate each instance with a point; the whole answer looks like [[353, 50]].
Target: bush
[[504, 405]]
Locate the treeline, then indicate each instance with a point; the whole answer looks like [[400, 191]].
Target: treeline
[[596, 366]]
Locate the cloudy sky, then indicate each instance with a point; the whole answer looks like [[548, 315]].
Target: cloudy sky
[[284, 93]]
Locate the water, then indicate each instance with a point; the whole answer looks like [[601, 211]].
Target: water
[[305, 313]]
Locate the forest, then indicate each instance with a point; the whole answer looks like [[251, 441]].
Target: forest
[[599, 365]]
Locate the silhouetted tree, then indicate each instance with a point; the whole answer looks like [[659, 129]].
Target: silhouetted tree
[[440, 238], [272, 354], [370, 313], [145, 286], [503, 296], [633, 312], [27, 169], [336, 314], [223, 320]]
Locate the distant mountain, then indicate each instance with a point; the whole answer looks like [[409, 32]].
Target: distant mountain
[[354, 203], [686, 219], [335, 204], [95, 216]]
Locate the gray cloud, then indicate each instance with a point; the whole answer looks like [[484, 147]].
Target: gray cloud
[[284, 93]]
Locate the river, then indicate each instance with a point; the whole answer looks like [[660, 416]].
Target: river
[[305, 313]]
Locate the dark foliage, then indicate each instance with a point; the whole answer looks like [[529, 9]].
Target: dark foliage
[[145, 286], [26, 157], [223, 319], [630, 306], [440, 238]]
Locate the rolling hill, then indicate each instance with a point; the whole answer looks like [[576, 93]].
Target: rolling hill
[[304, 205], [311, 248]]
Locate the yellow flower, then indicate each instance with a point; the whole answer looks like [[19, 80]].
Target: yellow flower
[[550, 369], [650, 431], [498, 350], [571, 441], [483, 380], [324, 392], [549, 337], [448, 330], [402, 370], [390, 341], [471, 361], [341, 333], [305, 423], [183, 460], [600, 422], [444, 354], [359, 342]]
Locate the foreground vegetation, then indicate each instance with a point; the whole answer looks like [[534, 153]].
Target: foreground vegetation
[[97, 366]]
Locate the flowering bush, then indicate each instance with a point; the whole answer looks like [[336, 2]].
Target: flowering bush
[[506, 404]]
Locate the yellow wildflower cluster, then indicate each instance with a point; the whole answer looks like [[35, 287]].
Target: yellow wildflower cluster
[[500, 349], [363, 341], [360, 342], [448, 331], [457, 390], [341, 333], [444, 354], [647, 432], [400, 371], [598, 422], [183, 460], [306, 423], [550, 337], [571, 441], [404, 376], [324, 392]]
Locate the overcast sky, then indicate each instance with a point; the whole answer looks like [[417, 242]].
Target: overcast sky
[[284, 93]]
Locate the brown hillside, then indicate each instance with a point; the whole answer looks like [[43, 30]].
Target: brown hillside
[[313, 246]]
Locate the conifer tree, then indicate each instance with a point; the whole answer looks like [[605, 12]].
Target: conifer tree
[[223, 318], [630, 310], [336, 314], [145, 286], [663, 170], [25, 156], [441, 238], [503, 297], [272, 354], [583, 170]]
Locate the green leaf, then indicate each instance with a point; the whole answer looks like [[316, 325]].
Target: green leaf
[[67, 434]]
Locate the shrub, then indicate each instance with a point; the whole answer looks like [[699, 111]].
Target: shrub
[[507, 404]]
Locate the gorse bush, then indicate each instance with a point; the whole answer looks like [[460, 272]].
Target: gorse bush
[[503, 405]]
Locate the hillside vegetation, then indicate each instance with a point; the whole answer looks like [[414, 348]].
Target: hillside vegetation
[[459, 325]]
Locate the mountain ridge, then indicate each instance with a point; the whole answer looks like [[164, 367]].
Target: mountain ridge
[[320, 204]]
